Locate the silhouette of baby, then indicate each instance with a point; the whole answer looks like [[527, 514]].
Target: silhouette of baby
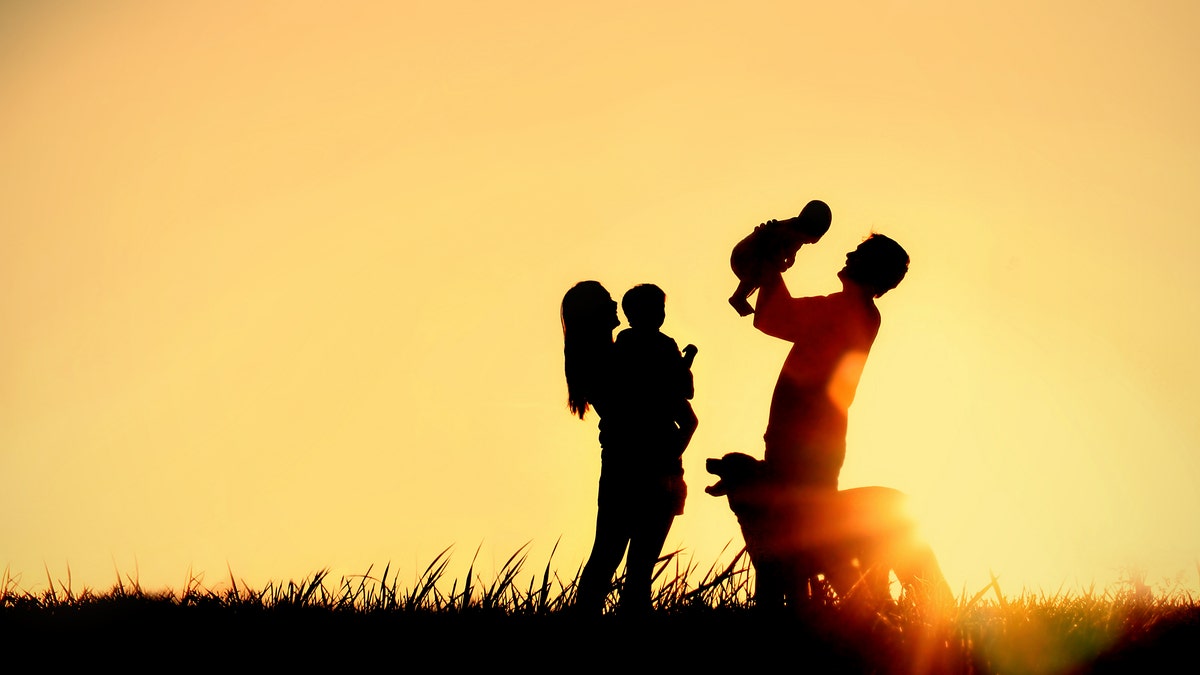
[[772, 247]]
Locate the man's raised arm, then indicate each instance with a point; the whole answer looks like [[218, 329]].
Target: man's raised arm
[[775, 309]]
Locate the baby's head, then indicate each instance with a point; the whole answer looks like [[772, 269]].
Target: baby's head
[[645, 306], [813, 221]]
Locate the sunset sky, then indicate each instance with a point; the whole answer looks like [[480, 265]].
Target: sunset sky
[[279, 282]]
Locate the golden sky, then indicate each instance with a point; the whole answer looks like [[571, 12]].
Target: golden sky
[[279, 282]]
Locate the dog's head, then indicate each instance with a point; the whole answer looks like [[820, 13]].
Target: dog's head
[[735, 470]]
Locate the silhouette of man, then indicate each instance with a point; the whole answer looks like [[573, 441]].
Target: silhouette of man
[[831, 336]]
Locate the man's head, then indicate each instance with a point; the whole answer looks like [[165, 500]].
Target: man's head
[[878, 265], [645, 306]]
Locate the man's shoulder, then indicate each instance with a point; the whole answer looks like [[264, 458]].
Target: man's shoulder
[[852, 306], [804, 302]]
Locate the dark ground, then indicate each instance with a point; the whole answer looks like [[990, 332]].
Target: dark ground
[[143, 635]]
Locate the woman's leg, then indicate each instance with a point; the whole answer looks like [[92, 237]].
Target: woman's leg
[[612, 536], [645, 546]]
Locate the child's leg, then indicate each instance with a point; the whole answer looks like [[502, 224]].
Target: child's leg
[[740, 298]]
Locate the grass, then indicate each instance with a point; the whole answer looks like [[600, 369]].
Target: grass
[[704, 619]]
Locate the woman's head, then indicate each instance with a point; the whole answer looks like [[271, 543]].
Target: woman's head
[[588, 316], [588, 307]]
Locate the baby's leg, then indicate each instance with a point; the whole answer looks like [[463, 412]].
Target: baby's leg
[[739, 299]]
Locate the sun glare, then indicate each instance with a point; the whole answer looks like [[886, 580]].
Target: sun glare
[[845, 378]]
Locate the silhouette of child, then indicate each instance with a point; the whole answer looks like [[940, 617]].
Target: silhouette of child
[[657, 381], [772, 247]]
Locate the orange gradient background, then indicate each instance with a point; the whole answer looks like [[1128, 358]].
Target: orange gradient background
[[279, 282]]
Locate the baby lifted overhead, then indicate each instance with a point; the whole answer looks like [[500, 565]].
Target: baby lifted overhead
[[772, 247]]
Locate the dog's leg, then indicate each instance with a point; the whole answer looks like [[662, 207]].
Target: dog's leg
[[922, 577], [769, 586], [874, 567]]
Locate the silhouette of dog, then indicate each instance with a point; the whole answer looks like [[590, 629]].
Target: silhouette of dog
[[849, 539]]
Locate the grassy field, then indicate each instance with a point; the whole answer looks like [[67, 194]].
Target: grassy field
[[704, 620]]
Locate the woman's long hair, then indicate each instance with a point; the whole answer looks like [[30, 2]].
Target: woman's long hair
[[587, 321]]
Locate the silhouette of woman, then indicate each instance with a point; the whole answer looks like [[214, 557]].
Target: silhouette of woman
[[638, 496]]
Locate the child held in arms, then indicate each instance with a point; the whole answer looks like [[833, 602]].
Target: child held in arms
[[772, 247], [658, 379]]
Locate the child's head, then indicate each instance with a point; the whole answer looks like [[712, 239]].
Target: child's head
[[645, 306], [813, 221], [878, 264]]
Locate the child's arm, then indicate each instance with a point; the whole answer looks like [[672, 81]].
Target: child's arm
[[687, 383], [686, 418], [689, 355]]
